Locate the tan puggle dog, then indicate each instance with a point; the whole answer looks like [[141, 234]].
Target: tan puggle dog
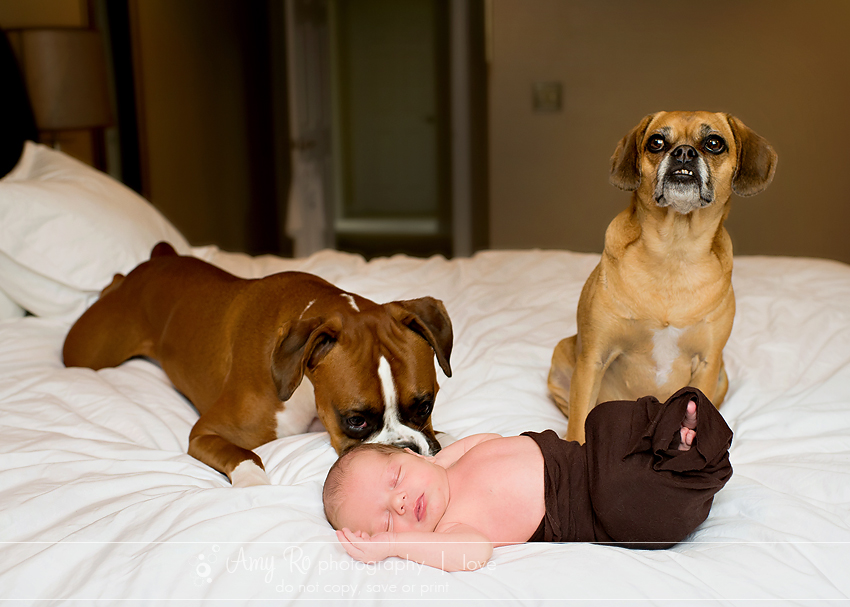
[[656, 312]]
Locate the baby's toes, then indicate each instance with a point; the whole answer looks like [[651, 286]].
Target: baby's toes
[[690, 420], [687, 438]]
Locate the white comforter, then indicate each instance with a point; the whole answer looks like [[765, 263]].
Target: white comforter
[[99, 500]]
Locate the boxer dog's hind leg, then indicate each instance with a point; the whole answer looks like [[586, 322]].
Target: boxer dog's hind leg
[[111, 331]]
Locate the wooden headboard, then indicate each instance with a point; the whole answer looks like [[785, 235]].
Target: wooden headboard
[[16, 118]]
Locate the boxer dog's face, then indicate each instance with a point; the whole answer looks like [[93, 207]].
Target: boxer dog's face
[[378, 392], [372, 369], [687, 160]]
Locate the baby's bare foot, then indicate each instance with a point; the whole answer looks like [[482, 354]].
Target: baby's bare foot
[[688, 431]]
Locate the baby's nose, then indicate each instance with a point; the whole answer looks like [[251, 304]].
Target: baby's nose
[[400, 502]]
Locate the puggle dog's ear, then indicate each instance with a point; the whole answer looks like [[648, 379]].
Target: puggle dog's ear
[[625, 171], [301, 343], [427, 317], [756, 160]]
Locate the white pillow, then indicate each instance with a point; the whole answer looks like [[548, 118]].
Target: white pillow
[[66, 229], [8, 308], [41, 295]]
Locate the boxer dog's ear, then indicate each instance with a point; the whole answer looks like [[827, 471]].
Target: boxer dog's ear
[[427, 317], [625, 168], [756, 160], [301, 344]]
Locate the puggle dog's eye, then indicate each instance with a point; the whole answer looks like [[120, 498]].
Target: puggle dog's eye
[[655, 144], [714, 144]]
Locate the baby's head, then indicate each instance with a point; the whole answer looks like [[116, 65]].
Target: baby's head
[[376, 488], [334, 491]]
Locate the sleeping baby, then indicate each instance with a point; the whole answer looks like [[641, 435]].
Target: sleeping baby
[[645, 478]]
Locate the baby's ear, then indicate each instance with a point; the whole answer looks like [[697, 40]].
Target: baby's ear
[[429, 458]]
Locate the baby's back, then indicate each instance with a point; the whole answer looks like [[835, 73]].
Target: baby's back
[[497, 487]]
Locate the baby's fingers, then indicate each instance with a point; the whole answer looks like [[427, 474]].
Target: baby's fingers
[[347, 537], [343, 538], [349, 542]]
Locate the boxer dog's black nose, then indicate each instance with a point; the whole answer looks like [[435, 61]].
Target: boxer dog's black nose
[[412, 446]]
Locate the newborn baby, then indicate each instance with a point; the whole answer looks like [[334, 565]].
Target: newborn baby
[[645, 478]]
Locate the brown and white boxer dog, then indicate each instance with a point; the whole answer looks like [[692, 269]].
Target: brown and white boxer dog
[[656, 312], [238, 350]]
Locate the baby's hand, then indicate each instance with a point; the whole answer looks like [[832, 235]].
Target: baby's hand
[[365, 548]]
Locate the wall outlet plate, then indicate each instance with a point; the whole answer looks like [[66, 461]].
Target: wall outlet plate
[[547, 96]]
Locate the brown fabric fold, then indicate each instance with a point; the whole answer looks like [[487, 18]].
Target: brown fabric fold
[[629, 484]]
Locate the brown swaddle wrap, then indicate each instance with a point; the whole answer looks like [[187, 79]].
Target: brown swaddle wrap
[[629, 484]]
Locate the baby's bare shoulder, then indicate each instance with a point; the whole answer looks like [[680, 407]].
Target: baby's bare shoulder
[[499, 454], [505, 446], [509, 470]]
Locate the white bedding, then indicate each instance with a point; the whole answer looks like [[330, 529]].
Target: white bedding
[[99, 500]]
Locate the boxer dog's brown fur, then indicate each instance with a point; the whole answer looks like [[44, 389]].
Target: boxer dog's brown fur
[[656, 312], [238, 350]]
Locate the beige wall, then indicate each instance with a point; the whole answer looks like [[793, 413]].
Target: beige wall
[[781, 66]]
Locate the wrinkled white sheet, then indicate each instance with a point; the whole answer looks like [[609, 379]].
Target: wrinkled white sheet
[[99, 500]]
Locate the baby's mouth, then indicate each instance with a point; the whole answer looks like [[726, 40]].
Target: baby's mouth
[[419, 508]]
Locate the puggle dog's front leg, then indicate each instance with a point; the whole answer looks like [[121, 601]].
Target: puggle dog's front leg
[[593, 357], [595, 348], [711, 379], [709, 372]]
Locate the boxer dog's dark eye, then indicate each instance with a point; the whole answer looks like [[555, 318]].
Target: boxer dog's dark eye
[[359, 423], [421, 408], [714, 144], [655, 144], [356, 422]]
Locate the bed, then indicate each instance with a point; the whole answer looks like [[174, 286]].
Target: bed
[[100, 502]]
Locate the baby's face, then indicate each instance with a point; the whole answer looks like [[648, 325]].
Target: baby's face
[[397, 492]]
